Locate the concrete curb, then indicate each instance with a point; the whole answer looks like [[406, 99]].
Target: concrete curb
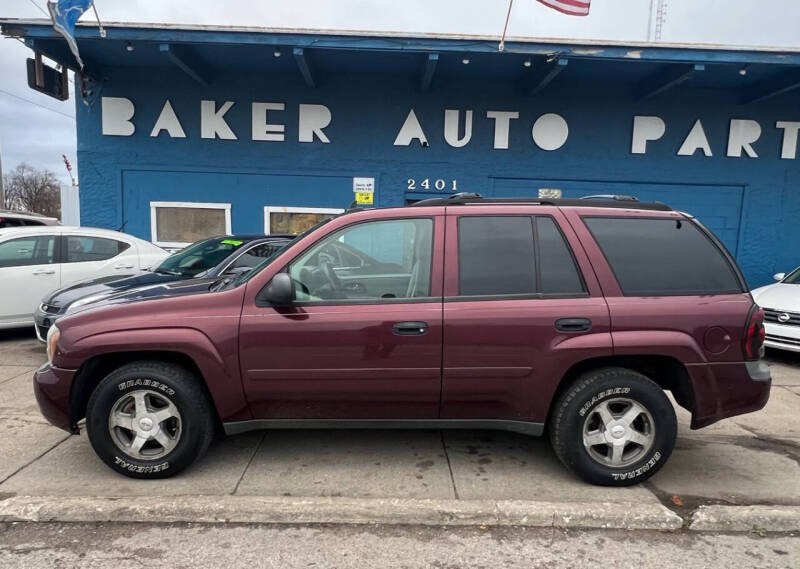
[[258, 509], [746, 518]]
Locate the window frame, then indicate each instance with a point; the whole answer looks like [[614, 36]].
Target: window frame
[[261, 303], [64, 247], [295, 209], [189, 205], [56, 249], [701, 229], [537, 264]]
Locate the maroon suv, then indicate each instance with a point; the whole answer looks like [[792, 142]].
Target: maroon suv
[[570, 316]]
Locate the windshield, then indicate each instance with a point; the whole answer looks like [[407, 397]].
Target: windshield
[[199, 257], [260, 267], [793, 277]]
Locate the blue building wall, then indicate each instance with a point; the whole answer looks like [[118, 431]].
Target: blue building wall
[[752, 203]]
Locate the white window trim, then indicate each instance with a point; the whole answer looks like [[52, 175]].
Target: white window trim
[[288, 209], [193, 205]]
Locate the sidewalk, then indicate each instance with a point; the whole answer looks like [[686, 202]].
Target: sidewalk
[[740, 474]]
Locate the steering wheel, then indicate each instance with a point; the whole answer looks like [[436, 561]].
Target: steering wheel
[[327, 270]]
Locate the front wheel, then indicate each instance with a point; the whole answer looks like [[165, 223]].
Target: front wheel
[[149, 419], [613, 427]]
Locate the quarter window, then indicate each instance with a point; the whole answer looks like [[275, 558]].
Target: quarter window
[[27, 251], [380, 260], [82, 249], [558, 273], [662, 257]]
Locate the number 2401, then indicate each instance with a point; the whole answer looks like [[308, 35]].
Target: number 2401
[[438, 184]]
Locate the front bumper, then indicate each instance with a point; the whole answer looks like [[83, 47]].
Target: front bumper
[[723, 390], [52, 386], [782, 337]]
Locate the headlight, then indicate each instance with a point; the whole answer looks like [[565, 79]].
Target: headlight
[[53, 335]]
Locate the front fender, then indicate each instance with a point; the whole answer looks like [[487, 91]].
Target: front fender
[[218, 363]]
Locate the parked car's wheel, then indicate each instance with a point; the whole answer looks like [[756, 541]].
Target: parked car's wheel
[[613, 427], [149, 419]]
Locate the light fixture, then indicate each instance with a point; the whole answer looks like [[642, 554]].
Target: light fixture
[[743, 71], [129, 46], [527, 63], [276, 53], [465, 61]]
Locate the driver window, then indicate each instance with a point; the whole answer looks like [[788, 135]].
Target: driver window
[[377, 260]]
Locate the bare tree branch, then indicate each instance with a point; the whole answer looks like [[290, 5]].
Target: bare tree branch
[[30, 189]]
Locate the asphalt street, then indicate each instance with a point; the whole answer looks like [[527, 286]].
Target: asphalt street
[[123, 546]]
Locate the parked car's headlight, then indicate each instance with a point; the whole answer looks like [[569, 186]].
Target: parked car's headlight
[[53, 335]]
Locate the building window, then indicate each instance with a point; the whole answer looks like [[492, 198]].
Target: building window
[[177, 224], [293, 220]]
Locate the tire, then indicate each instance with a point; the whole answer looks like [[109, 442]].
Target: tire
[[592, 437], [164, 404]]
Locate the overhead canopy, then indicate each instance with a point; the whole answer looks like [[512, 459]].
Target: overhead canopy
[[202, 52]]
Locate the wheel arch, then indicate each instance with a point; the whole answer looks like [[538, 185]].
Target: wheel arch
[[666, 371], [96, 368]]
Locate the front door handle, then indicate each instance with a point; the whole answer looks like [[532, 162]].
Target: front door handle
[[410, 328], [45, 272], [123, 266], [573, 324]]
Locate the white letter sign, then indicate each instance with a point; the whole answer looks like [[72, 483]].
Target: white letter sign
[[742, 135], [411, 130], [646, 129], [168, 121], [502, 121], [550, 131], [694, 140], [789, 147], [451, 128], [117, 113], [263, 130], [212, 121], [313, 118]]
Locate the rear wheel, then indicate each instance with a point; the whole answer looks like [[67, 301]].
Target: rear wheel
[[613, 427], [149, 419]]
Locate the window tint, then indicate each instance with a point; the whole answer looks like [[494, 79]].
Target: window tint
[[253, 257], [27, 251], [86, 249], [662, 256], [376, 260], [495, 255], [557, 271]]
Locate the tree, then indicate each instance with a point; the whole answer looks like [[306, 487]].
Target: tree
[[30, 189]]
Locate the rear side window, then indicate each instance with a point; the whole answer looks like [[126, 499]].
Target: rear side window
[[558, 273], [495, 256], [662, 257], [85, 249]]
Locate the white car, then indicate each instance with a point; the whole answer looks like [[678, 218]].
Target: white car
[[35, 261], [781, 304]]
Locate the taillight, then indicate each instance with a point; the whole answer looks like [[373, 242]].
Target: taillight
[[754, 334]]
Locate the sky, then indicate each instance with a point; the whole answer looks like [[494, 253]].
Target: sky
[[39, 129]]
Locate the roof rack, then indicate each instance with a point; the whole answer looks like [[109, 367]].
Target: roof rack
[[624, 202]]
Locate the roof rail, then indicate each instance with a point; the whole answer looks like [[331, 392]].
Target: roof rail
[[617, 197], [622, 202]]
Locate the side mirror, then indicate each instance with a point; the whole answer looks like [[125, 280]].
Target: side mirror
[[279, 291], [779, 276]]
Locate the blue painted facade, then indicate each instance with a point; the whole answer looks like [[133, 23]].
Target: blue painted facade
[[753, 204]]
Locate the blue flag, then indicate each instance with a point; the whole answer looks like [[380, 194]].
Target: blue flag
[[65, 14]]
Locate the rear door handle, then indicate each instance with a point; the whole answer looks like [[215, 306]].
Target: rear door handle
[[45, 272], [410, 328], [573, 324]]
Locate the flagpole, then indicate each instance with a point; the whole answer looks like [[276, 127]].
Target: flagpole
[[502, 45], [102, 30]]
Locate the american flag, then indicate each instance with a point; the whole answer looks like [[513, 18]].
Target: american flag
[[571, 7]]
